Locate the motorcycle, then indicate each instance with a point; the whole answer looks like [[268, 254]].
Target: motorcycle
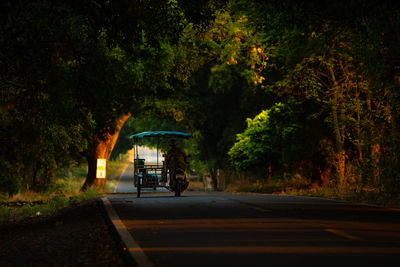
[[153, 175]]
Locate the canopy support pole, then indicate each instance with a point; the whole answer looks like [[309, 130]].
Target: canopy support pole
[[158, 141]]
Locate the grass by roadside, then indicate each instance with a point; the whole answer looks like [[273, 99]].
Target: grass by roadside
[[274, 185], [302, 187], [115, 169], [197, 186], [197, 183], [353, 194], [63, 192], [30, 204]]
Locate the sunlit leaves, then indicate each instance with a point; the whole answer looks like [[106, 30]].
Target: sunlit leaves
[[231, 41], [271, 136]]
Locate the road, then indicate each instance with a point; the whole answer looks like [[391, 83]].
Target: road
[[221, 229]]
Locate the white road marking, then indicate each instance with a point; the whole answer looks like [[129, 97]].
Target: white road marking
[[132, 246]]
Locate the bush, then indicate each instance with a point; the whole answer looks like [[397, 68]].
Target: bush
[[9, 183]]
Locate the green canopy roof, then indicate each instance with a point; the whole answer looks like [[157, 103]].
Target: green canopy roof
[[162, 134]]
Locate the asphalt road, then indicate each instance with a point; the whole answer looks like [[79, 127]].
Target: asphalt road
[[259, 230]]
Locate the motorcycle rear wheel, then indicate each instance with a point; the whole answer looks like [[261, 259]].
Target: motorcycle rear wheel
[[178, 188]]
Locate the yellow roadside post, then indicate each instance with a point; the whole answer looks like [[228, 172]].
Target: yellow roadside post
[[101, 173]]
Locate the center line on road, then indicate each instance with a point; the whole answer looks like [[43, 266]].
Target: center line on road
[[285, 250], [251, 206], [261, 209], [342, 234]]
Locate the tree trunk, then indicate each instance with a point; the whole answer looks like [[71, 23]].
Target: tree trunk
[[341, 167], [269, 170], [34, 178], [375, 155], [203, 178], [338, 129], [359, 174], [325, 174], [358, 127], [102, 150], [213, 174]]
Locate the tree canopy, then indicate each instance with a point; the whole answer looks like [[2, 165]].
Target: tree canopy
[[282, 87], [69, 71]]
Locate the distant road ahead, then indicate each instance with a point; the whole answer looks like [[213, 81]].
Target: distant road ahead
[[259, 230]]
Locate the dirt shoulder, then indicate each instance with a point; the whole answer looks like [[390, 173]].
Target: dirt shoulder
[[76, 236]]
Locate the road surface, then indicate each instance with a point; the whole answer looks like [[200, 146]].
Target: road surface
[[221, 229]]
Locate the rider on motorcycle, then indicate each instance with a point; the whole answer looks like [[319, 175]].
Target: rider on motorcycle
[[176, 160]]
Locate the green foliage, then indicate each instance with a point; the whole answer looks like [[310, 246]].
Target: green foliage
[[222, 89], [154, 120], [9, 183], [116, 167], [233, 44], [49, 206], [274, 135], [54, 204], [69, 70], [294, 183], [61, 193], [325, 59]]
